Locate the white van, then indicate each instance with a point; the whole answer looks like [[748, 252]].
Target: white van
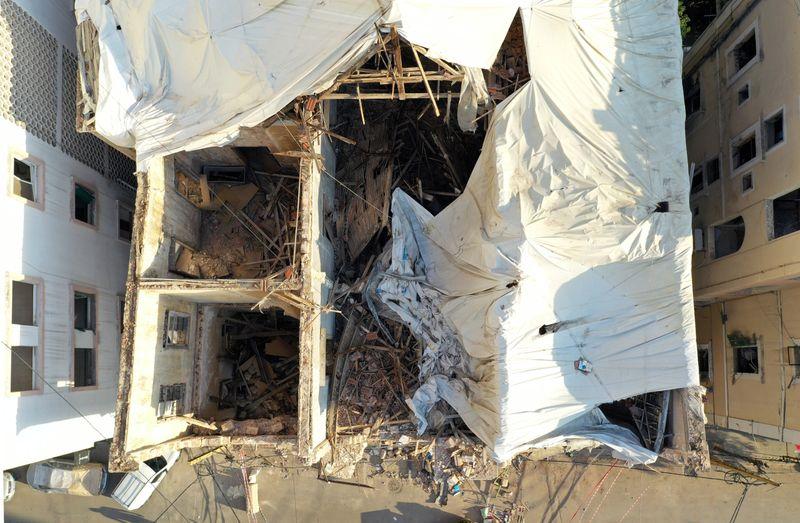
[[136, 487]]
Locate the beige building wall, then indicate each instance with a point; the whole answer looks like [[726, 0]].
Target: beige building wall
[[753, 291], [773, 79], [768, 402]]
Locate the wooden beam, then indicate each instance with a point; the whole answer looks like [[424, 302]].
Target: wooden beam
[[398, 63], [360, 105], [425, 81], [385, 96]]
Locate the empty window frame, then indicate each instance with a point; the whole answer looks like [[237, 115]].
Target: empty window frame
[[745, 149], [794, 359], [743, 53], [25, 180], [176, 330], [704, 361], [712, 170], [23, 303], [691, 94], [84, 362], [698, 182], [743, 94], [171, 400], [85, 375], [84, 311], [786, 214], [84, 204], [23, 363], [728, 237], [124, 222], [747, 182], [745, 353], [774, 131]]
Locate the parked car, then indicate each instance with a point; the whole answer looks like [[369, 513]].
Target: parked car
[[9, 486], [88, 479], [136, 487]]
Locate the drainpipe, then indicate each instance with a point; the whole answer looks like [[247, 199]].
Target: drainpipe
[[779, 296], [725, 362], [724, 154]]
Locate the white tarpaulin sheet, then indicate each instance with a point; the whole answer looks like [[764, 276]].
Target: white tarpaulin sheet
[[187, 74], [558, 224]]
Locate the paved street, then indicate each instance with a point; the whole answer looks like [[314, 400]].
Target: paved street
[[586, 489]]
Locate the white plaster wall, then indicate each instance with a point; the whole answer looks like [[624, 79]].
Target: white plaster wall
[[45, 243], [155, 366], [181, 221]]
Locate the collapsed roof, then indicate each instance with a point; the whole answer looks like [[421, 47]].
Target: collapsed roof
[[560, 280]]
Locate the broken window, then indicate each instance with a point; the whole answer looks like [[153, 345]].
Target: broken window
[[23, 303], [743, 94], [773, 130], [747, 182], [744, 52], [176, 335], [745, 353], [85, 205], [712, 170], [786, 214], [124, 222], [704, 361], [171, 400], [728, 237], [698, 183], [84, 311], [744, 150], [24, 182], [23, 361], [691, 94]]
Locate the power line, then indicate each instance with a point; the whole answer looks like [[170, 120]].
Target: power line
[[73, 407]]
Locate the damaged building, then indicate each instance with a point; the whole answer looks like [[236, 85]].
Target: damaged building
[[402, 234]]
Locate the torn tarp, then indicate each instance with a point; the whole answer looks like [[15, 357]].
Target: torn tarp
[[555, 283], [558, 226]]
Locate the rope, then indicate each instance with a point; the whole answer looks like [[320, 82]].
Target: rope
[[604, 497], [594, 491]]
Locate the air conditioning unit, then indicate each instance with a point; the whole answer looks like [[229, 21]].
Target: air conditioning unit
[[699, 240]]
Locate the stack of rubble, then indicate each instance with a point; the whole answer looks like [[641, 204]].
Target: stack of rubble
[[249, 223], [510, 69], [261, 393]]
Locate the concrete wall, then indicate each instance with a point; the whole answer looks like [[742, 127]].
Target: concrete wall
[[182, 221], [317, 328], [156, 366], [774, 83], [768, 403]]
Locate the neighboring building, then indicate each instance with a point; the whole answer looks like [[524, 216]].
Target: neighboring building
[[742, 89], [66, 225]]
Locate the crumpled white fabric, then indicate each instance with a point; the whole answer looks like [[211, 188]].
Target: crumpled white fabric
[[558, 225]]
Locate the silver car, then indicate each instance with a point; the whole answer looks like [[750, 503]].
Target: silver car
[[88, 479]]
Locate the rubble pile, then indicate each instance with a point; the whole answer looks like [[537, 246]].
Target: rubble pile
[[510, 70], [260, 396], [248, 224]]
